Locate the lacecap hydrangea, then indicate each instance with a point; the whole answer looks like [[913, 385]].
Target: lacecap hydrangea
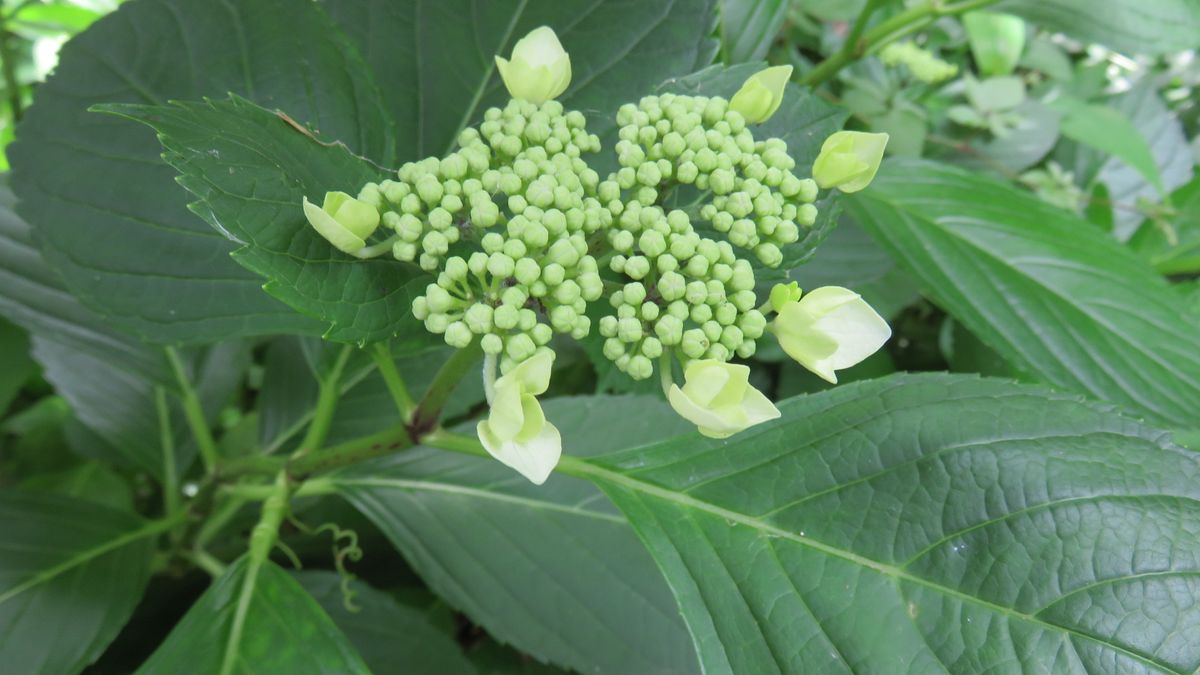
[[522, 237]]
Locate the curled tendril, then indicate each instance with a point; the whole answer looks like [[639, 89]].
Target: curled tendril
[[349, 550]]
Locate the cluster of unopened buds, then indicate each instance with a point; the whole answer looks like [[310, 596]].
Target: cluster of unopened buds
[[522, 237]]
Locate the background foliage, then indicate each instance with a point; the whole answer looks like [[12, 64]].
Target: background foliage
[[1033, 238]]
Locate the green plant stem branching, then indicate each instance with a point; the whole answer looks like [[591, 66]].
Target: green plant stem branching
[[194, 412], [328, 392], [381, 352], [886, 31], [170, 487]]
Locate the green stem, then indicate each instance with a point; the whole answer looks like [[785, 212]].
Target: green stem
[[262, 540], [252, 465], [428, 411], [381, 352], [207, 562], [310, 488], [217, 522], [170, 487], [852, 46], [665, 374], [911, 19], [194, 412], [376, 445], [327, 399]]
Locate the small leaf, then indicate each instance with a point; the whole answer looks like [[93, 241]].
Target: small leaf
[[1108, 130], [393, 638], [284, 630]]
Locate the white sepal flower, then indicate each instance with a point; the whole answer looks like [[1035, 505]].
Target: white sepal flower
[[717, 398], [829, 329], [516, 431], [540, 68], [761, 94]]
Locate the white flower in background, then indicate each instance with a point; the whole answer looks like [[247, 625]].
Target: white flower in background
[[540, 68]]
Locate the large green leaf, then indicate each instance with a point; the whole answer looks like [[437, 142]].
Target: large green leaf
[[393, 638], [1131, 26], [250, 170], [434, 61], [553, 570], [284, 630], [748, 27], [1064, 303], [112, 219], [35, 298], [71, 572], [923, 524]]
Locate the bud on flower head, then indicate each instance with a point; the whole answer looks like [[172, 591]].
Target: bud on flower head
[[539, 70], [848, 160], [761, 95], [718, 399], [342, 220], [830, 329]]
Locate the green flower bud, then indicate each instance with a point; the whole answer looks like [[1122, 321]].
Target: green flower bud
[[505, 317], [694, 343], [520, 347], [782, 294], [629, 330], [342, 220], [458, 335], [669, 330], [640, 367], [848, 160]]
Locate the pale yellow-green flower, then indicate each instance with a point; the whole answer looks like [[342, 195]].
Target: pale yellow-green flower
[[761, 94], [717, 398], [516, 431], [342, 220], [829, 329], [848, 160], [540, 68]]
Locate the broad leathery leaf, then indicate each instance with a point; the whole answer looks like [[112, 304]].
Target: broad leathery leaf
[[1064, 303], [250, 169], [392, 637], [925, 523], [285, 630], [1131, 26], [553, 570], [71, 573], [111, 218], [434, 61]]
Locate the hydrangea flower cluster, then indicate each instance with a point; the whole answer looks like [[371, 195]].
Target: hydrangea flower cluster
[[920, 62], [522, 234]]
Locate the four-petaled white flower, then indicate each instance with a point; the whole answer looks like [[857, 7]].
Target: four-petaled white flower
[[516, 431], [343, 220], [717, 397], [829, 329], [848, 160]]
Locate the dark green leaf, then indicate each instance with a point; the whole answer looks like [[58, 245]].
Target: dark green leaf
[[435, 61], [748, 27], [91, 481], [284, 630], [1132, 26], [553, 570], [15, 365], [393, 638], [71, 573], [928, 523], [1064, 304], [35, 298], [112, 219], [250, 170], [1171, 241]]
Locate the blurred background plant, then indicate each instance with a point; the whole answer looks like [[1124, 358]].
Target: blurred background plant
[[31, 33]]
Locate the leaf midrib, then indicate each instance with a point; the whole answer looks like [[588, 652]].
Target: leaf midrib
[[87, 555], [584, 469]]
